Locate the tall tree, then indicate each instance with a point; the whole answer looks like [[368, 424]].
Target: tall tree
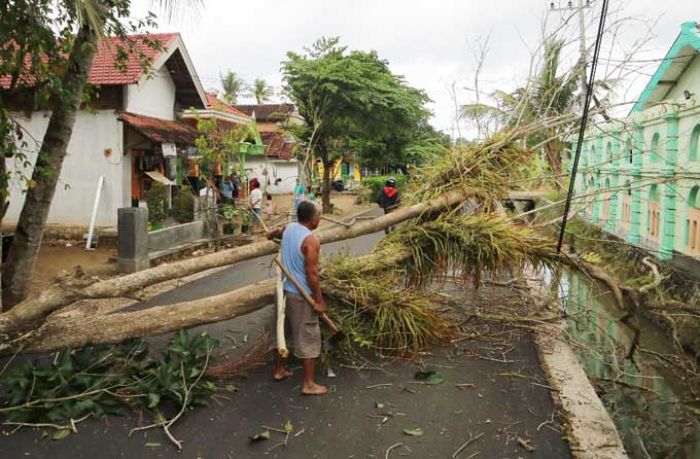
[[345, 97], [550, 94], [231, 86], [74, 28], [261, 91]]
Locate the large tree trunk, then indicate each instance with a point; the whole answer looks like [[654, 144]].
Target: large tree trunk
[[30, 227], [60, 331], [326, 185], [31, 312]]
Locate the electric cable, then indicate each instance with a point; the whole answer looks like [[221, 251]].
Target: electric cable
[[584, 120]]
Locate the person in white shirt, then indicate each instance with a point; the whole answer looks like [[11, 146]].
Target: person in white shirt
[[256, 203]]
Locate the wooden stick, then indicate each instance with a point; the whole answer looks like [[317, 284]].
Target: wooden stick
[[327, 320]]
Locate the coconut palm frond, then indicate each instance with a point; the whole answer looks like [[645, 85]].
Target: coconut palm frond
[[464, 246]]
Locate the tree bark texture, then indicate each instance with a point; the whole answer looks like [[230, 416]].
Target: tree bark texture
[[23, 253], [326, 185], [73, 332], [32, 311]]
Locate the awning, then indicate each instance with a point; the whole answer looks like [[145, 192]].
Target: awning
[[160, 130], [158, 177]]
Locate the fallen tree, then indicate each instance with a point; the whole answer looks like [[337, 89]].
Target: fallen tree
[[29, 313]]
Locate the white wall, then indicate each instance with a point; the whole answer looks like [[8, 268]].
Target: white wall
[[288, 171], [84, 163], [689, 79], [153, 96]]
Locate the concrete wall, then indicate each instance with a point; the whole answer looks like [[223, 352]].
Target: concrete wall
[[152, 96], [287, 170], [85, 162], [170, 238]]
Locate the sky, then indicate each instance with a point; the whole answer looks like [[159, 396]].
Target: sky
[[432, 43]]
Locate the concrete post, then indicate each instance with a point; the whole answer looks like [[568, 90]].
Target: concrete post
[[668, 170], [614, 179], [132, 232], [636, 173]]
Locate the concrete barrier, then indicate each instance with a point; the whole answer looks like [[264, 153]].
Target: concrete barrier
[[173, 239]]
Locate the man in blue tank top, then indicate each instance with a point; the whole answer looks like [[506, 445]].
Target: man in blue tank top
[[300, 252]]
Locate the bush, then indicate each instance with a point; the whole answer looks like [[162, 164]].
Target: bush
[[157, 200], [371, 186], [183, 206]]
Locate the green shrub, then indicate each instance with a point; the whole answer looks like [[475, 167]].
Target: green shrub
[[371, 186], [183, 206], [157, 200]]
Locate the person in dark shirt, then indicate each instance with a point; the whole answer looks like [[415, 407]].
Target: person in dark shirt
[[388, 199]]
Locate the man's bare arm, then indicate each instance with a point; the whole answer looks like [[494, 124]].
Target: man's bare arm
[[311, 248]]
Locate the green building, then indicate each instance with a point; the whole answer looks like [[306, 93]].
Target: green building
[[639, 176]]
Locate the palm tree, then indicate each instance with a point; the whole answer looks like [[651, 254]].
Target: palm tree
[[261, 91], [231, 86], [551, 94]]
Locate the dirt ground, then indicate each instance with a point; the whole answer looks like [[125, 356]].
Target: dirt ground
[[58, 259]]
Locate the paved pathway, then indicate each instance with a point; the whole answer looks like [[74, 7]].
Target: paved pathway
[[507, 401]]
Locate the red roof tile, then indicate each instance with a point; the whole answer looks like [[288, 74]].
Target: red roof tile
[[277, 145], [214, 103], [104, 65], [160, 130]]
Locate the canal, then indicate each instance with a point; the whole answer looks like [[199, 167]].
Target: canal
[[651, 400]]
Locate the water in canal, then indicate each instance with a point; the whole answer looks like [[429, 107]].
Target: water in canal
[[647, 401]]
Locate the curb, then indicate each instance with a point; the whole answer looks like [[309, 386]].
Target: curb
[[593, 434]]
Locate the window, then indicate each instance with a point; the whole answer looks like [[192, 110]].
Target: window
[[653, 214], [692, 223], [627, 205], [608, 152], [628, 150], [655, 148], [693, 147], [592, 155]]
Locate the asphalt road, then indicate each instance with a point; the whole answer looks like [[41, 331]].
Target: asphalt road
[[364, 415]]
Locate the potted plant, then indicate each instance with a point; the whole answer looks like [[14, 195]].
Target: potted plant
[[156, 200], [245, 221], [229, 214]]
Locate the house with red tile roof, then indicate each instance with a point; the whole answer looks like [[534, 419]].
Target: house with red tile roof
[[129, 133], [277, 167]]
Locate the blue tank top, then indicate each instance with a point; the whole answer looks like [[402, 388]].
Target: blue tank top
[[292, 258]]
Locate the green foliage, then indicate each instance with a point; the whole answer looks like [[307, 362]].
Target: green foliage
[[183, 206], [348, 98], [157, 200], [106, 380]]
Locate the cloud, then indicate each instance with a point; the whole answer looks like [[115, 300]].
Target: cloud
[[426, 41]]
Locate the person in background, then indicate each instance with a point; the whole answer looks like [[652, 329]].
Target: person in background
[[227, 189], [256, 198], [389, 197], [236, 181], [299, 193], [269, 207]]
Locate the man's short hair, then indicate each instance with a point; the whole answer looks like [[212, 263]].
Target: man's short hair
[[306, 211]]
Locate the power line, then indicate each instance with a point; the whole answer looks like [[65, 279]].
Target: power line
[[584, 120]]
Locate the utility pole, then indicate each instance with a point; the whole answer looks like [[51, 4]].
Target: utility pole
[[583, 59]]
